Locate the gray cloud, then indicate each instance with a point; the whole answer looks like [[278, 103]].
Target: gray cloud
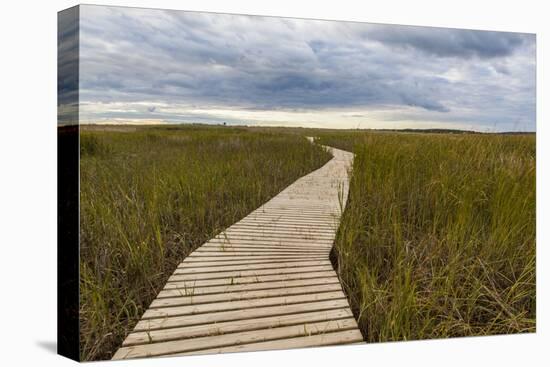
[[67, 68], [449, 42], [250, 63]]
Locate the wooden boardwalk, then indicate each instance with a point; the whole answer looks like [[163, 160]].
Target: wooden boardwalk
[[264, 283]]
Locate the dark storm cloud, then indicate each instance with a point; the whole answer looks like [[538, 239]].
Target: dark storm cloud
[[67, 66], [251, 63], [449, 42]]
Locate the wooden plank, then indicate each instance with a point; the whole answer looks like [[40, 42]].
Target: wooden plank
[[330, 227], [312, 203], [153, 336], [299, 220], [291, 211], [282, 207], [228, 236], [298, 207], [243, 314], [289, 241], [239, 296], [226, 289], [299, 242], [293, 215], [153, 313], [236, 257], [207, 264], [171, 347], [227, 254], [274, 235], [347, 337], [236, 247], [263, 241], [281, 235], [313, 247], [252, 279], [259, 251], [247, 273], [321, 228], [268, 229], [263, 250], [263, 266], [290, 219]]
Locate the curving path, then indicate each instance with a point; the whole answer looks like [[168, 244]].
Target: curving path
[[264, 283]]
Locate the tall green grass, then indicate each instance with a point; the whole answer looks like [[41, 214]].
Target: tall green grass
[[151, 196], [438, 238]]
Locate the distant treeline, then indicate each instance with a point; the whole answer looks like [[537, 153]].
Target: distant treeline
[[290, 129], [454, 131]]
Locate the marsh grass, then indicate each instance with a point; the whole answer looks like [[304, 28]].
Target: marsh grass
[[438, 237], [149, 196]]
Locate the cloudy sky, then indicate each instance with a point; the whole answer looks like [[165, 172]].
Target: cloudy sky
[[154, 66]]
